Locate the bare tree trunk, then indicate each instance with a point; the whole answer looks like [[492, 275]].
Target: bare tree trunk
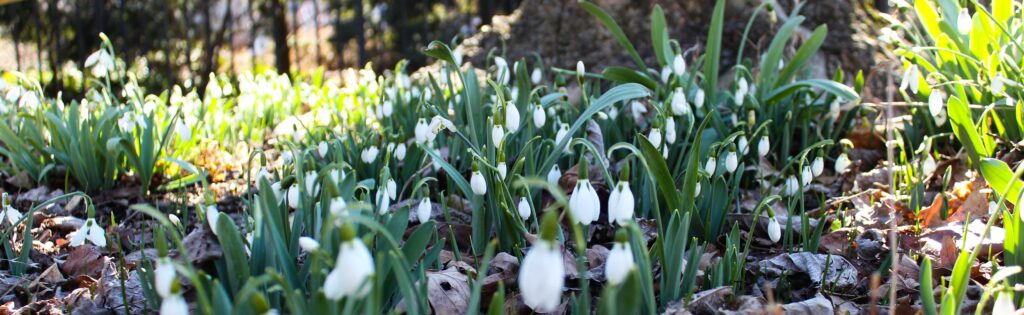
[[55, 20], [252, 37], [279, 30], [230, 28], [188, 39], [17, 47], [316, 31], [294, 6], [360, 32], [39, 42]]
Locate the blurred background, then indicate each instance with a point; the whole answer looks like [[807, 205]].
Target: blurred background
[[178, 40]]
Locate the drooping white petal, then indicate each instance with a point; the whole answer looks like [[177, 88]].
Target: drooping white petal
[[308, 244], [539, 117], [711, 165], [963, 22], [164, 275], [554, 175], [524, 209], [174, 305], [763, 146], [511, 118], [620, 210], [352, 271], [478, 183], [584, 204], [293, 197], [497, 133], [424, 210], [731, 162], [678, 65], [842, 163], [392, 189], [817, 166], [654, 136], [96, 234], [774, 230], [619, 263], [928, 166], [743, 145], [400, 151], [541, 277], [502, 169], [670, 130], [536, 76]]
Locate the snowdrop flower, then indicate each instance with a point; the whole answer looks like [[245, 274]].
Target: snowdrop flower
[[421, 131], [100, 62], [539, 117], [818, 166], [679, 104], [174, 219], [833, 109], [743, 145], [369, 155], [383, 201], [293, 197], [437, 122], [423, 210], [312, 184], [670, 130], [710, 165], [400, 151], [502, 75], [762, 146], [731, 161], [497, 133], [928, 165], [580, 69], [806, 175], [679, 65], [10, 214], [392, 189], [511, 117], [998, 85], [536, 76], [698, 100], [164, 276], [502, 169], [993, 207], [696, 189], [963, 22], [560, 135], [637, 109], [308, 244], [353, 271], [1003, 303], [554, 175], [477, 182], [935, 107], [542, 274], [322, 148], [619, 263], [666, 74], [174, 305], [741, 90], [338, 206], [620, 203], [388, 108], [184, 132], [655, 137], [791, 186], [911, 79], [278, 193], [90, 231], [584, 203], [286, 157], [842, 163], [774, 230], [524, 209]]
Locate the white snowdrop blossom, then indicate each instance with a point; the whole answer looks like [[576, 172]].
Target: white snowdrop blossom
[[763, 146], [541, 277], [351, 276], [163, 277], [698, 100], [741, 90], [511, 118], [524, 209], [308, 244], [711, 165], [666, 74], [322, 148], [100, 63], [502, 73], [928, 166], [400, 151], [554, 175], [584, 203], [539, 117], [497, 133], [10, 214], [536, 76], [90, 231], [731, 161], [679, 103], [502, 169], [174, 305], [423, 210], [619, 263], [654, 136], [620, 204], [637, 109], [842, 163], [806, 175], [388, 108], [678, 65], [369, 155], [774, 230], [580, 69], [392, 189], [696, 189], [338, 206], [670, 130], [818, 166], [791, 186], [1003, 304], [422, 131], [383, 201], [743, 145], [911, 78], [478, 183], [293, 197], [184, 132], [963, 22], [936, 106]]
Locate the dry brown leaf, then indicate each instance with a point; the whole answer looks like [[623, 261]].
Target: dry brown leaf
[[84, 260], [448, 291]]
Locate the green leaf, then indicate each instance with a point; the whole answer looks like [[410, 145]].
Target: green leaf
[[659, 171], [927, 296], [770, 64], [659, 37], [963, 126], [832, 87], [806, 51], [713, 54], [626, 75], [234, 252], [439, 50], [616, 31], [998, 175]]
